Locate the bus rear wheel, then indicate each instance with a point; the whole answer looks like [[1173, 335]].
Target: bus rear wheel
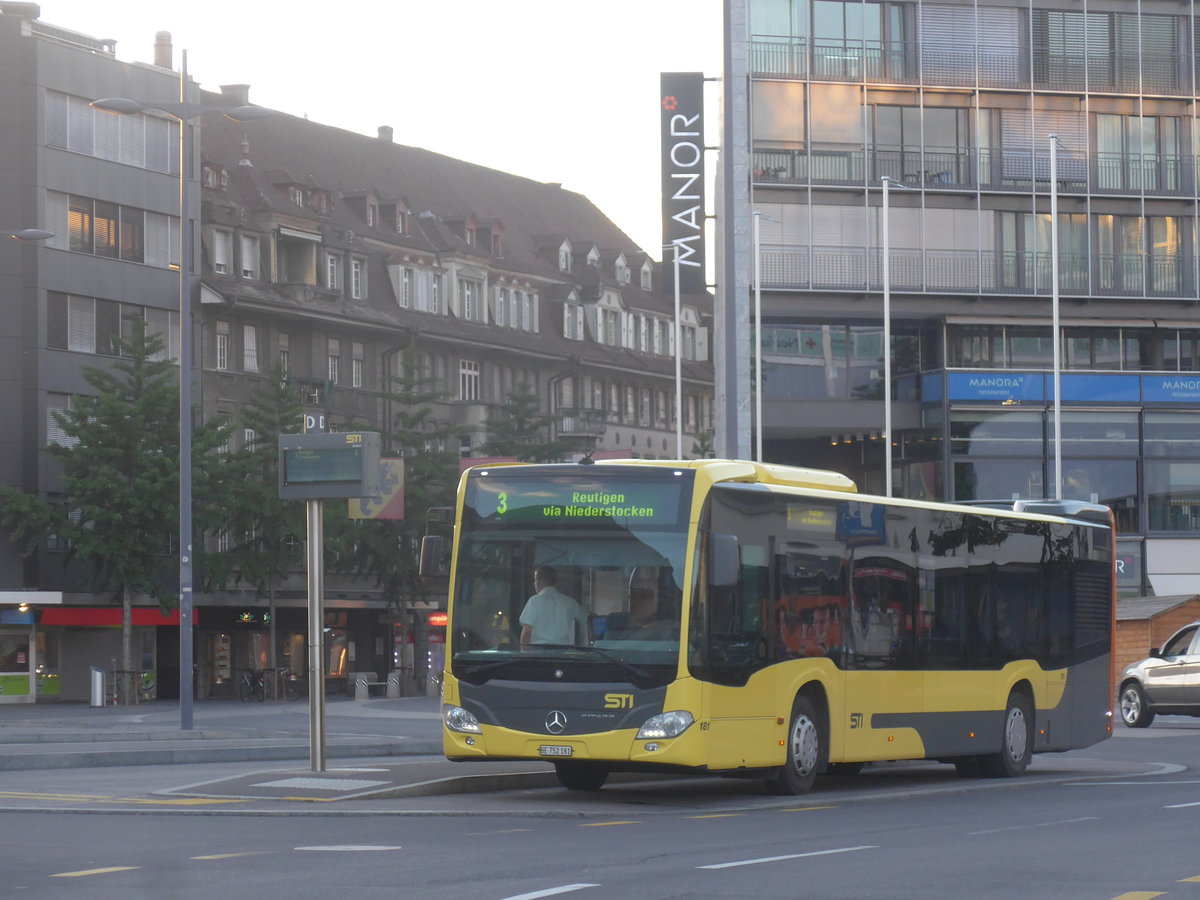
[[576, 776], [805, 750], [1016, 746]]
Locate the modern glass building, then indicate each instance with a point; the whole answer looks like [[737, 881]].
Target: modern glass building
[[956, 103]]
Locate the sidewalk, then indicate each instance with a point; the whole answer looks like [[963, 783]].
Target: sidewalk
[[57, 736]]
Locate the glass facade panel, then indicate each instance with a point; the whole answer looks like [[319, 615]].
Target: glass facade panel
[[1173, 495], [996, 433]]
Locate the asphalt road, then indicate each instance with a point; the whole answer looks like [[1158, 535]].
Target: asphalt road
[[1119, 820]]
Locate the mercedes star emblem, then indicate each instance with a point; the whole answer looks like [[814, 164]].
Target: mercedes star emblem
[[556, 721]]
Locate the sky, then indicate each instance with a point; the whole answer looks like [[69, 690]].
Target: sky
[[553, 90]]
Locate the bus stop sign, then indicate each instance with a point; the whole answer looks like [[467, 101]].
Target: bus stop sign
[[319, 466]]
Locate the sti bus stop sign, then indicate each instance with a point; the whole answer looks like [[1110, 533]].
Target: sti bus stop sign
[[328, 466]]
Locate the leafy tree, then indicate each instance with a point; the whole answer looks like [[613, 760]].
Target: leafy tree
[[263, 529], [387, 550], [521, 430], [702, 446], [120, 481]]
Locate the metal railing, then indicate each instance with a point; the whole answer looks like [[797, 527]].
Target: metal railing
[[976, 271]]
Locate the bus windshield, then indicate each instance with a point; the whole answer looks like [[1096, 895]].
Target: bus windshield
[[584, 569]]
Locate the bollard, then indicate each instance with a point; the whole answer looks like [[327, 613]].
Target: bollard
[[98, 692], [393, 684], [361, 691]]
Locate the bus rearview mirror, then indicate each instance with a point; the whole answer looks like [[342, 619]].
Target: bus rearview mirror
[[724, 560], [433, 557]]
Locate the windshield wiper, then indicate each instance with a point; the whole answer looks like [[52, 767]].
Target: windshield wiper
[[634, 673]]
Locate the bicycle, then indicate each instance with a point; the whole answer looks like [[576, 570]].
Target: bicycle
[[289, 686], [251, 684]]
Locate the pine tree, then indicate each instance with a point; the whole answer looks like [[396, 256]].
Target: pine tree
[[519, 429], [120, 482]]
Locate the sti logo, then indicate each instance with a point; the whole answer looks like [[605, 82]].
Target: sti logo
[[856, 720], [618, 701]]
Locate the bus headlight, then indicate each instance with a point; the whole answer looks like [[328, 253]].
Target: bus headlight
[[665, 725], [458, 719]]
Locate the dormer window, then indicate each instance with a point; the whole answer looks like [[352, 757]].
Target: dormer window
[[647, 276], [497, 248], [593, 257], [209, 177], [297, 195], [320, 201], [372, 215], [401, 221], [621, 270], [564, 257], [469, 234]]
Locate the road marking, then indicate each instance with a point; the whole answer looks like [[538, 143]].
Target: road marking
[[83, 872], [323, 784], [499, 831], [1194, 878], [232, 855], [190, 801], [767, 859], [350, 848], [716, 816], [805, 808], [603, 824], [1181, 805], [1139, 895], [550, 892], [1038, 825], [31, 795]]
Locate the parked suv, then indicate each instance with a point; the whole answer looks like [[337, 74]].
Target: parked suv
[[1168, 681]]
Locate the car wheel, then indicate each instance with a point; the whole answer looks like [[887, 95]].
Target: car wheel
[[1016, 745], [576, 776], [1135, 712], [805, 750]]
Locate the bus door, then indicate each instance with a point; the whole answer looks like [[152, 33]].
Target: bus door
[[884, 688]]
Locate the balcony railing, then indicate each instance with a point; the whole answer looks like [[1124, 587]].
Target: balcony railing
[[581, 422], [934, 63], [976, 272], [941, 168]]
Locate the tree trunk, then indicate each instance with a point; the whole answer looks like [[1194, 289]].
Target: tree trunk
[[127, 680]]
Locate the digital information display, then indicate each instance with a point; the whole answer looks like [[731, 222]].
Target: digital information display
[[328, 466], [619, 500]]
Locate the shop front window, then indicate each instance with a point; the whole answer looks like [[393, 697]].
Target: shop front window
[[1173, 495]]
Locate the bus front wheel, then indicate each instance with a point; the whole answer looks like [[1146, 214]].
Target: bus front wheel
[[805, 749], [576, 776], [1016, 746]]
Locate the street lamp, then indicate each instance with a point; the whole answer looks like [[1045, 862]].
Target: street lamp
[[29, 235], [888, 182], [184, 112], [758, 378], [1054, 326], [678, 355]]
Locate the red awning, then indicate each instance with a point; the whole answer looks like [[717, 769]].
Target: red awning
[[94, 616]]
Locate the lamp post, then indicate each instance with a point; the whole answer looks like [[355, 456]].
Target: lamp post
[[1054, 324], [185, 113], [29, 235], [887, 182], [678, 331], [758, 378]]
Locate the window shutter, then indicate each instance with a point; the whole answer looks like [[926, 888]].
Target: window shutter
[[56, 219], [56, 320], [81, 324], [157, 149], [79, 124], [133, 140], [701, 344], [56, 119], [107, 138], [158, 252]]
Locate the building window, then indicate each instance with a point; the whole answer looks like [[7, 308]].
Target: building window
[[573, 321], [222, 346], [333, 271], [222, 252], [297, 196], [358, 278], [689, 342], [531, 313], [285, 354], [83, 225], [356, 364], [372, 215], [564, 257], [335, 360], [469, 294], [468, 380], [249, 348], [502, 301], [647, 277], [250, 260], [58, 404], [406, 288]]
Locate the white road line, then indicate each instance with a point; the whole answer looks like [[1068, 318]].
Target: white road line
[[349, 848], [1181, 805], [550, 892], [1038, 825], [767, 859]]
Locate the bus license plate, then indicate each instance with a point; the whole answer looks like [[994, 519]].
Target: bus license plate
[[556, 750]]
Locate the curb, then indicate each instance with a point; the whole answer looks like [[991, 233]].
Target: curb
[[193, 755]]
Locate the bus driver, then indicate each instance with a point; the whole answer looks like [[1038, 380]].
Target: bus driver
[[550, 616]]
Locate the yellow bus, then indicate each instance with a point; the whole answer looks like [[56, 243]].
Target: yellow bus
[[769, 622]]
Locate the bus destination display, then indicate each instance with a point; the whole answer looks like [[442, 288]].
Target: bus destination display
[[622, 501]]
